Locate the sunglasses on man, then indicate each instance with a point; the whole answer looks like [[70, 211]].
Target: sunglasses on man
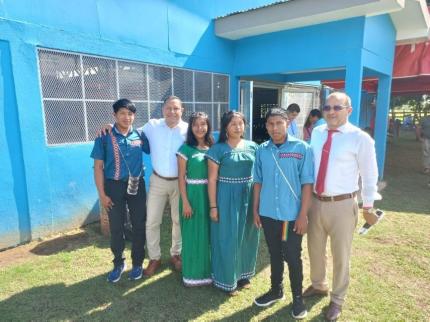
[[337, 108]]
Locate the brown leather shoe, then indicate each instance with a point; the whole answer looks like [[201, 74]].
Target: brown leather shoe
[[333, 311], [153, 265], [176, 261], [311, 291]]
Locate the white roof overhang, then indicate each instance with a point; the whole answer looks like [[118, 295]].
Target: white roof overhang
[[410, 17]]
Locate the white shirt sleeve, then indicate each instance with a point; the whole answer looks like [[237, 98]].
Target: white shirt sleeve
[[368, 169]]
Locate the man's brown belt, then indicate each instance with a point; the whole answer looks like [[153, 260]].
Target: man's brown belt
[[336, 198], [165, 178]]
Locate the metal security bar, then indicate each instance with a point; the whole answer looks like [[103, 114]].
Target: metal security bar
[[78, 91]]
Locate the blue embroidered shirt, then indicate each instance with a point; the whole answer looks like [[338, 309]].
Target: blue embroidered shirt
[[121, 153], [295, 159]]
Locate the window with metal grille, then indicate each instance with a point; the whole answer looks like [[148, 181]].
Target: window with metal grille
[[78, 92]]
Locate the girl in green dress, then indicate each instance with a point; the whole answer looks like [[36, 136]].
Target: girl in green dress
[[193, 205], [234, 238]]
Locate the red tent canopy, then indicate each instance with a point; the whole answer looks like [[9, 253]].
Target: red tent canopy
[[411, 72]]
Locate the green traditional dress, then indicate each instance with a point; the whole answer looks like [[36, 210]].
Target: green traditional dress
[[196, 267], [234, 238]]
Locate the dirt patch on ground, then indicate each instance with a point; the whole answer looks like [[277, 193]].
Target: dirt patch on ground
[[16, 255], [67, 241]]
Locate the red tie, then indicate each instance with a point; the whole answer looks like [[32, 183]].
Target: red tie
[[319, 187]]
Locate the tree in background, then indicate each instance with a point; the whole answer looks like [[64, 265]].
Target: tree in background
[[418, 105]]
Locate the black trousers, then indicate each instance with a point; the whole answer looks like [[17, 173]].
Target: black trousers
[[136, 204], [290, 251]]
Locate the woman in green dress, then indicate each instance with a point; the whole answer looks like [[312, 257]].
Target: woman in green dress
[[234, 238], [193, 205]]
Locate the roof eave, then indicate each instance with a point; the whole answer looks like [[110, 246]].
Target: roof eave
[[296, 14]]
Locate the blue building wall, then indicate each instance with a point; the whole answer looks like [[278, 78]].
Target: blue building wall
[[50, 188], [379, 45], [14, 214], [324, 46], [45, 188]]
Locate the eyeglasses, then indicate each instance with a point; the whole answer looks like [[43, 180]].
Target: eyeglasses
[[337, 108]]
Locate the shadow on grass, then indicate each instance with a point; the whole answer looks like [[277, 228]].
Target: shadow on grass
[[95, 299], [161, 297], [89, 236], [283, 314]]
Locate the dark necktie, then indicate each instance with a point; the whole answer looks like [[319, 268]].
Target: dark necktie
[[320, 184]]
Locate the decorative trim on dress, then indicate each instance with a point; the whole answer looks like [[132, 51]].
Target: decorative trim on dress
[[196, 181], [235, 180], [183, 156], [232, 287], [211, 158], [196, 282]]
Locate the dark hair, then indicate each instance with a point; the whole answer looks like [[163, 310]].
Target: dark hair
[[312, 113], [124, 103], [171, 98], [225, 121], [276, 112], [191, 139], [294, 107]]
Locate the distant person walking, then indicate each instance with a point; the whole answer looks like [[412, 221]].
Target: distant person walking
[[423, 134], [293, 111]]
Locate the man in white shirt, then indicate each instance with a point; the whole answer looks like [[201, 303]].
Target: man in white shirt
[[342, 153], [165, 136]]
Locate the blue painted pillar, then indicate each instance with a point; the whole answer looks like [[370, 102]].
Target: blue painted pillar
[[15, 226], [234, 92], [34, 150], [381, 122], [353, 79]]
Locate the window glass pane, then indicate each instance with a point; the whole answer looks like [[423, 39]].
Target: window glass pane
[[156, 110], [183, 84], [75, 110], [142, 114], [203, 87], [98, 114], [188, 110], [132, 81], [160, 83], [99, 78], [60, 75], [65, 122], [220, 88]]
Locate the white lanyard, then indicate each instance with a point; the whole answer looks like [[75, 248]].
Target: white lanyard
[[285, 178]]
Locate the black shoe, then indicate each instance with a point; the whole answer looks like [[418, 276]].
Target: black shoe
[[269, 298], [299, 310]]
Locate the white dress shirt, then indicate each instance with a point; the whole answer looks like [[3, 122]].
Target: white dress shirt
[[352, 154], [164, 142]]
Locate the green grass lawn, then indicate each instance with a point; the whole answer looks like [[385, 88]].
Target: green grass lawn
[[64, 278]]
